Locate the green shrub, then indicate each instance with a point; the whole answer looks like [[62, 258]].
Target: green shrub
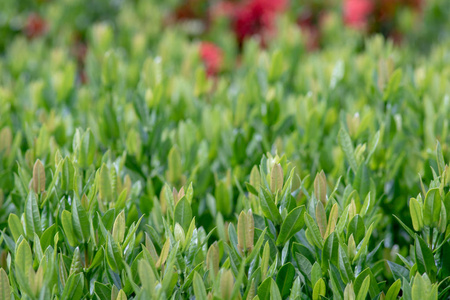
[[135, 174]]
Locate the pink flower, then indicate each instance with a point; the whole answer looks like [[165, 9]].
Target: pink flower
[[357, 12], [212, 58]]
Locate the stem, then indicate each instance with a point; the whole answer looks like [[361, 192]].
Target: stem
[[86, 259], [431, 239]]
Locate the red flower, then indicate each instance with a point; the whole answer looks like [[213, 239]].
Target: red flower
[[256, 17], [35, 26], [212, 58], [357, 12]]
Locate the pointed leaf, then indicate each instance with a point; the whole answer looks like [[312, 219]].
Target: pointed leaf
[[183, 213], [38, 177], [293, 223]]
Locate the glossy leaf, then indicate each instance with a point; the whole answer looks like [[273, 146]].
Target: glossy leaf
[[183, 213], [285, 279], [293, 223]]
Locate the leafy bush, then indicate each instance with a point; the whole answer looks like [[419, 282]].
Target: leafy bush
[[141, 163]]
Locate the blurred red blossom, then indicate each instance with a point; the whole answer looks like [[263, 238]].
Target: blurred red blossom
[[257, 17], [310, 21], [35, 26], [212, 58], [250, 17], [357, 12]]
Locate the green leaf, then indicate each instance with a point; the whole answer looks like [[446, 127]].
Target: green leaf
[[121, 296], [321, 218], [349, 293], [416, 214], [66, 220], [347, 146], [424, 257], [332, 220], [5, 291], [15, 226], [316, 273], [98, 258], [175, 169], [147, 276], [407, 229], [226, 285], [102, 291], [264, 289], [357, 228], [274, 291], [255, 182], [199, 287], [23, 259], [422, 288], [345, 266], [245, 232], [190, 277], [251, 189], [296, 289], [265, 260], [364, 243], [118, 232], [212, 260], [293, 223], [223, 199], [285, 279], [320, 187], [393, 291], [398, 271], [67, 175], [80, 220], [364, 289], [75, 266], [105, 189], [440, 158], [38, 177], [37, 249], [393, 84], [86, 150], [374, 144], [432, 208], [74, 287], [315, 232], [183, 213], [330, 251], [32, 216], [276, 65], [276, 178], [319, 289], [374, 290], [250, 232], [268, 207], [164, 253], [190, 193], [48, 236], [113, 254]]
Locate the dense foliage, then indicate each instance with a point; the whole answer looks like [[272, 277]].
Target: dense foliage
[[142, 159]]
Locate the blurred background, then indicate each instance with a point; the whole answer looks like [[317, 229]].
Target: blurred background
[[224, 26]]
